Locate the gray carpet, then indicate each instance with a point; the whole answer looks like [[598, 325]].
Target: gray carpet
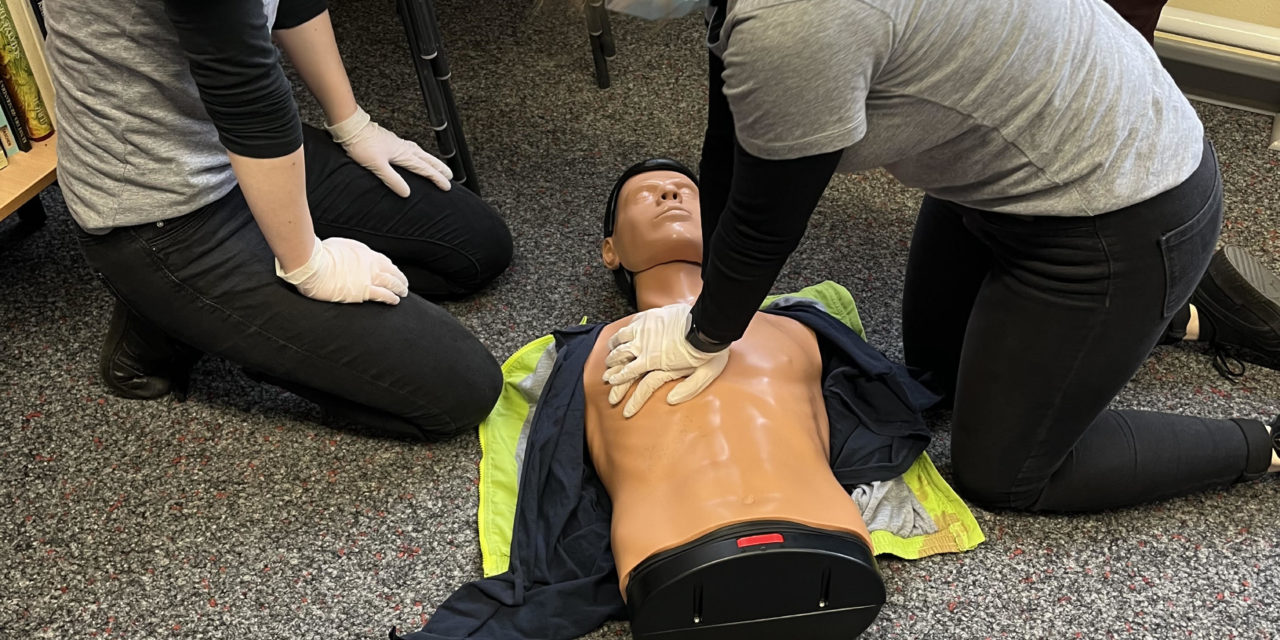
[[237, 515]]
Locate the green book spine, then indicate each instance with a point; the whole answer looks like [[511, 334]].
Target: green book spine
[[19, 80]]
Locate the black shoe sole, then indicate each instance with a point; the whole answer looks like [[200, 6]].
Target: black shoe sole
[[1241, 298]]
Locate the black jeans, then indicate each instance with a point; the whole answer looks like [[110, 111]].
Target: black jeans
[[1031, 325], [207, 278]]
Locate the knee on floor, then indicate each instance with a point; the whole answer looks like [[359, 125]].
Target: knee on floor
[[469, 399], [477, 263], [491, 259], [985, 484]]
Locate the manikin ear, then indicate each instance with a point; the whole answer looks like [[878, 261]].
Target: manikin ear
[[609, 255]]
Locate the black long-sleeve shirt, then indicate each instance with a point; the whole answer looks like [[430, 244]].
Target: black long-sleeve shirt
[[237, 70], [754, 213], [152, 93]]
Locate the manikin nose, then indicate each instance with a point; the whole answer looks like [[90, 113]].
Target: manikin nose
[[670, 193]]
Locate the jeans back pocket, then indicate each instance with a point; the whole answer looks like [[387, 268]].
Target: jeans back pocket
[[1187, 250]]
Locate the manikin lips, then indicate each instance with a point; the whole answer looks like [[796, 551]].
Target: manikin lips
[[671, 210]]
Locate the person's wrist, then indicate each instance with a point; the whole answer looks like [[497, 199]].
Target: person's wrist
[[304, 270], [702, 343], [344, 131], [340, 111]]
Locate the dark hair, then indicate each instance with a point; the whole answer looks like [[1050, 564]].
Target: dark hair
[[623, 278]]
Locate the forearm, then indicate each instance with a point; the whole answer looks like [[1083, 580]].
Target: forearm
[[312, 49], [715, 171], [275, 189], [768, 208]]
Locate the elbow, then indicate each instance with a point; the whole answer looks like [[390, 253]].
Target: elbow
[[260, 123]]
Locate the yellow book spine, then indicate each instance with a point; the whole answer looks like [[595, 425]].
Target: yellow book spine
[[19, 79]]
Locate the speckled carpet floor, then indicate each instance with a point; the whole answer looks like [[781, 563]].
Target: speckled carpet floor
[[237, 515]]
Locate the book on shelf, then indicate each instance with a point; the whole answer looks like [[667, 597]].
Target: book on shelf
[[15, 67], [32, 39], [37, 8], [8, 142], [4, 160], [10, 110]]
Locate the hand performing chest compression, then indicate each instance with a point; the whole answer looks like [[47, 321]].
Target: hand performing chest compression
[[653, 350]]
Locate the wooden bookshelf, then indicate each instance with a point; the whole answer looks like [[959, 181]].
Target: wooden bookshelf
[[27, 174]]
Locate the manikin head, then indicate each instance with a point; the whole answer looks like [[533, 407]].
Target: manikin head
[[653, 218]]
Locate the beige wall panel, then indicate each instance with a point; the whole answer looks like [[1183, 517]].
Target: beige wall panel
[[1263, 12]]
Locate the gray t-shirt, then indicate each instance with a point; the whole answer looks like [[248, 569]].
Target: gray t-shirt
[[135, 143], [1035, 107]]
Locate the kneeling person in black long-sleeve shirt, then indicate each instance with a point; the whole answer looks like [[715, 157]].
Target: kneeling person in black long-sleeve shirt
[[1071, 205], [225, 226]]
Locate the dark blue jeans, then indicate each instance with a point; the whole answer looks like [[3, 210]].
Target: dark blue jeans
[[207, 279], [1032, 324]]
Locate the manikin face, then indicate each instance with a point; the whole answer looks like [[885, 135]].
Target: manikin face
[[659, 220]]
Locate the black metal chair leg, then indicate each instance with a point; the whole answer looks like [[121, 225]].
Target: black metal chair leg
[[606, 36], [423, 34], [597, 21], [443, 75]]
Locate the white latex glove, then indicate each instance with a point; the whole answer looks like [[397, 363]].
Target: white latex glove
[[653, 345], [376, 149], [344, 270]]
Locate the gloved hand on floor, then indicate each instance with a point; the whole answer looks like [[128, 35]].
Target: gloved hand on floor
[[345, 270], [653, 345], [377, 149]]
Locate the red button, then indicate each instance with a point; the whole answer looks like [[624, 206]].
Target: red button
[[753, 541]]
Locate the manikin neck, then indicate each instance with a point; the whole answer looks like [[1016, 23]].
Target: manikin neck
[[668, 283]]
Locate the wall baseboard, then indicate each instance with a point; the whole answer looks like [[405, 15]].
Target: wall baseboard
[[1211, 28], [1223, 61]]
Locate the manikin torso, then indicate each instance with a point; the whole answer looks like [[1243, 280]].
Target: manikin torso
[[752, 446]]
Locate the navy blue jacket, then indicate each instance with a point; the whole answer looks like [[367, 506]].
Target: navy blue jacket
[[562, 582]]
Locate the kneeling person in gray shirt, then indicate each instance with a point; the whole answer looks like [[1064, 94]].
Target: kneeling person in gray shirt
[[225, 226], [1071, 205]]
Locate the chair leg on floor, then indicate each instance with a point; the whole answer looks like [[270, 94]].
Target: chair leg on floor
[[443, 75], [606, 36], [432, 69], [601, 44]]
